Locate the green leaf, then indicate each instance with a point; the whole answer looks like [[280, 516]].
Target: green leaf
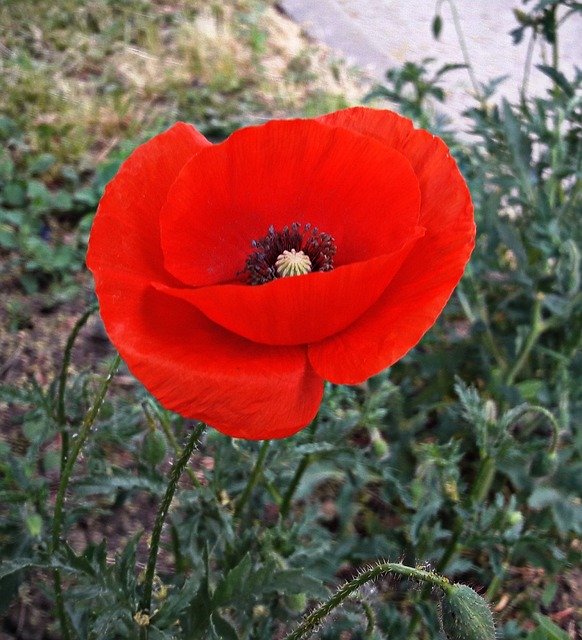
[[8, 567], [41, 164], [14, 195], [221, 628], [543, 497], [232, 584], [547, 630], [177, 602], [518, 144], [558, 77], [62, 201], [437, 26], [292, 581]]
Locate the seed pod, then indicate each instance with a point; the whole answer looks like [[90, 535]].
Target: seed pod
[[465, 615]]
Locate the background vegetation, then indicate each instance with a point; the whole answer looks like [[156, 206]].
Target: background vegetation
[[463, 458]]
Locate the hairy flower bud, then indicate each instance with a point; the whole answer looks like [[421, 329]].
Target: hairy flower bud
[[465, 615], [296, 602], [154, 447]]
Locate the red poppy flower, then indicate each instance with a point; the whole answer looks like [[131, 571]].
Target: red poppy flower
[[236, 278]]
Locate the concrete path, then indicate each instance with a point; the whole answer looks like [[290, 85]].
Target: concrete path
[[377, 34]]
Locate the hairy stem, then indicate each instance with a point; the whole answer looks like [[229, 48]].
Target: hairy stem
[[463, 45], [254, 477], [60, 415], [171, 438], [301, 468], [177, 469], [316, 616], [537, 328], [299, 472], [66, 471], [479, 490]]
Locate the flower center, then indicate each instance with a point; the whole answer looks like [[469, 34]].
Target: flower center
[[293, 263], [294, 251]]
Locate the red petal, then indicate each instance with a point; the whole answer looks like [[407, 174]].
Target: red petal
[[201, 371], [352, 187], [419, 291], [125, 233], [191, 365], [298, 309]]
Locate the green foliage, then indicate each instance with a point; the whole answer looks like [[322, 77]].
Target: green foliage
[[412, 87], [464, 457]]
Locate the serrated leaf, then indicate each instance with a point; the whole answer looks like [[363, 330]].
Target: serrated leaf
[[517, 142], [176, 603], [8, 567], [221, 628], [291, 581], [558, 78], [126, 561], [108, 621], [231, 586], [315, 447], [446, 68]]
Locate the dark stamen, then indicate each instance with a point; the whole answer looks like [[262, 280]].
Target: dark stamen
[[260, 266]]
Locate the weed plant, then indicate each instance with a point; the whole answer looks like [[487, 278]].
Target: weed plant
[[462, 459]]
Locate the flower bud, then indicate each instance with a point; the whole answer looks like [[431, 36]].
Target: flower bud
[[379, 445], [465, 615], [153, 449], [544, 463], [296, 602], [514, 518]]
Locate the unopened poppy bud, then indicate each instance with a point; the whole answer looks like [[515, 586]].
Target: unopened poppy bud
[[153, 449], [379, 445], [490, 412], [514, 518], [260, 611], [451, 490], [296, 602], [543, 463], [465, 615]]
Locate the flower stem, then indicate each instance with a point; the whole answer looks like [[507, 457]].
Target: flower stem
[[67, 469], [301, 468], [171, 438], [177, 469], [60, 416], [464, 48], [479, 490], [316, 616], [254, 477], [537, 328]]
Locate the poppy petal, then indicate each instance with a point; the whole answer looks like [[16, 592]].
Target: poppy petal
[[352, 187], [419, 291], [125, 234], [301, 309], [196, 368]]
